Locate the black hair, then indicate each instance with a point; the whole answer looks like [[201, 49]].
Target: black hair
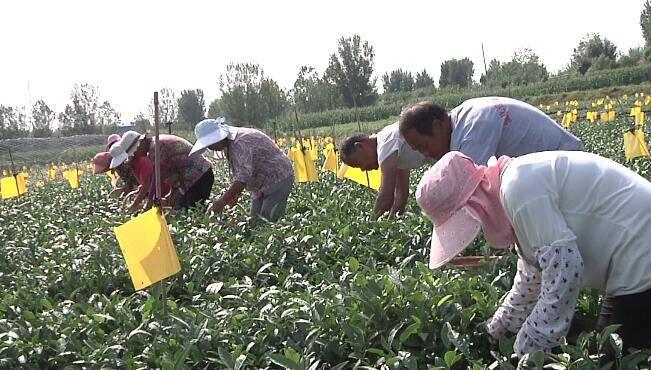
[[420, 116], [348, 146]]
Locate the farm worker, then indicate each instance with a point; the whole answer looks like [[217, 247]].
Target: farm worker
[[387, 151], [569, 233], [483, 127], [101, 162], [141, 167], [256, 163], [190, 177], [123, 172]]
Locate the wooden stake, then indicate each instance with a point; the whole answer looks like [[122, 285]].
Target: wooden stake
[[13, 172], [161, 284]]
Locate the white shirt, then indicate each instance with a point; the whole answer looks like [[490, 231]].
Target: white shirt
[[497, 126], [581, 220], [390, 141]]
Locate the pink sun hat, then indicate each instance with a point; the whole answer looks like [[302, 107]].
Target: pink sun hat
[[443, 194], [112, 139], [101, 161]]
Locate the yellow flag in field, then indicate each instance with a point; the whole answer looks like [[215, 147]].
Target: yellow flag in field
[[604, 116], [148, 249], [635, 145], [22, 182], [612, 115], [52, 174], [371, 179]]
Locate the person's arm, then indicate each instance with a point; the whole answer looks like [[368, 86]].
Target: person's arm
[[143, 192], [401, 193], [385, 197], [229, 197]]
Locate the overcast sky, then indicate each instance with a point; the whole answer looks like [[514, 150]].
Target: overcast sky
[[129, 49]]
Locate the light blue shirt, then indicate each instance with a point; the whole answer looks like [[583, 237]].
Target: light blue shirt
[[496, 126]]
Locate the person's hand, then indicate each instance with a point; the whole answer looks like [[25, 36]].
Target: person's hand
[[218, 205]]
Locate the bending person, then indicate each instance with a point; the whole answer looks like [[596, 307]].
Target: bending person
[[256, 163], [483, 127], [570, 233], [387, 151]]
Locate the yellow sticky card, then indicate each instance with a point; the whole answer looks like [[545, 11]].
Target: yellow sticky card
[[148, 250], [331, 161], [310, 166], [73, 177], [10, 188], [635, 145], [371, 179], [300, 172]]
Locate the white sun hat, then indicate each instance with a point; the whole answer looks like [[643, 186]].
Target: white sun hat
[[124, 148], [211, 131]]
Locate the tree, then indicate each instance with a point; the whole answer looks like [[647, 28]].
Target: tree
[[42, 117], [398, 80], [524, 67], [85, 115], [351, 70], [592, 49], [645, 22], [423, 79], [13, 122], [192, 107], [168, 107], [312, 93], [215, 109], [142, 123], [248, 97], [457, 72]]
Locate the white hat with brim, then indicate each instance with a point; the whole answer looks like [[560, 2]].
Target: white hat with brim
[[118, 155], [211, 131], [452, 237]]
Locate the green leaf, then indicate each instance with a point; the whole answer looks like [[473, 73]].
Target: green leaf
[[443, 300], [226, 358], [285, 362], [45, 303], [353, 264], [411, 329], [450, 357]]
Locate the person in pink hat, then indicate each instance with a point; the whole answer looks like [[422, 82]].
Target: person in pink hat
[[569, 233], [101, 162]]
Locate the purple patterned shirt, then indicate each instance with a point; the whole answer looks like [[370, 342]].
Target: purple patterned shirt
[[257, 161]]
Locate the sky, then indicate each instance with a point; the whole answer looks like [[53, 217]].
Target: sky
[[129, 49]]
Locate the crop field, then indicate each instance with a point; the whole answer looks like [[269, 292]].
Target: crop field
[[324, 288]]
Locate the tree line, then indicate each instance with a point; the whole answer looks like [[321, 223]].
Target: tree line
[[249, 96]]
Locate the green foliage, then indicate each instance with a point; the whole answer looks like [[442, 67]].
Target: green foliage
[[248, 97], [215, 110], [42, 117], [593, 51], [326, 287], [457, 72], [423, 80], [398, 80], [13, 122], [312, 93], [85, 114], [168, 107], [524, 68], [192, 107], [645, 22], [351, 70]]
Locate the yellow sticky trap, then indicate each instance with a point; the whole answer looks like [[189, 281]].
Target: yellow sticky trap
[[612, 115], [10, 188], [331, 159], [300, 171], [52, 174], [148, 249], [310, 167], [73, 177], [371, 179], [604, 116], [640, 118], [40, 184], [635, 145]]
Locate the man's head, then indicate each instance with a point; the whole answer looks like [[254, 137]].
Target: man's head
[[426, 127], [360, 151]]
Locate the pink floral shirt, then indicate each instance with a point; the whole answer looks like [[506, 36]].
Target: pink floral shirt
[[177, 168], [257, 161]]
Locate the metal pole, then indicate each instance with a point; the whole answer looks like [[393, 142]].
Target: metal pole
[[484, 58], [161, 284]]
